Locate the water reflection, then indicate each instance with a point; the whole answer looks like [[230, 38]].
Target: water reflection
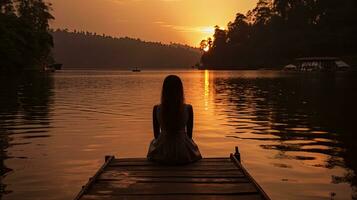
[[207, 89], [24, 113], [302, 117], [296, 131]]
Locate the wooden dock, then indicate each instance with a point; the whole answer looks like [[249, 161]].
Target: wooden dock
[[137, 178]]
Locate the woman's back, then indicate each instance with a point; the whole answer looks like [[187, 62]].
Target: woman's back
[[181, 123]]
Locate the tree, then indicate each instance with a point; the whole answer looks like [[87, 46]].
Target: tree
[[239, 30], [220, 38], [263, 12], [24, 33], [206, 45]]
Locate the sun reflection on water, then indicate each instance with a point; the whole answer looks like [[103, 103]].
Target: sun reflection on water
[[207, 89]]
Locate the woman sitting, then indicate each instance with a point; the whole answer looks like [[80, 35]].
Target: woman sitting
[[173, 125]]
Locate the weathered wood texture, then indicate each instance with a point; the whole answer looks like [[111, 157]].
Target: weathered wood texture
[[136, 178]]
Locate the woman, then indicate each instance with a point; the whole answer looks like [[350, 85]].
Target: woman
[[173, 124]]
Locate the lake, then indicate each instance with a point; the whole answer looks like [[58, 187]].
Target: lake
[[296, 131]]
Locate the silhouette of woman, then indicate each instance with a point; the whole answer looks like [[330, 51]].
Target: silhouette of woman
[[173, 125]]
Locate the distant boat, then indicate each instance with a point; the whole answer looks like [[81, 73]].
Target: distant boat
[[136, 69], [342, 66], [290, 67], [53, 67]]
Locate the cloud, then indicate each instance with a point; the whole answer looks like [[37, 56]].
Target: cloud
[[187, 29]]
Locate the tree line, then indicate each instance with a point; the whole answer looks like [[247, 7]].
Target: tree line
[[83, 49], [25, 40], [276, 32]]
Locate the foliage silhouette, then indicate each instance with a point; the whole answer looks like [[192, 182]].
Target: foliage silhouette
[[276, 32], [25, 41]]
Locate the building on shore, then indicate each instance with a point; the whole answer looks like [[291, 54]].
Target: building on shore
[[320, 64]]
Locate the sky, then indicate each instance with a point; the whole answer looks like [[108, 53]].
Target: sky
[[177, 21]]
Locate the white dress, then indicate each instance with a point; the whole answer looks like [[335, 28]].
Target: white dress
[[174, 148]]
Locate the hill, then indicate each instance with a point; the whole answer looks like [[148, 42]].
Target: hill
[[89, 50]]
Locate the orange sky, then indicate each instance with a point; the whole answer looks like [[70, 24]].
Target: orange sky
[[179, 21]]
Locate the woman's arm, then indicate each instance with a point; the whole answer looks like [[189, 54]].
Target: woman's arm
[[190, 122], [155, 123]]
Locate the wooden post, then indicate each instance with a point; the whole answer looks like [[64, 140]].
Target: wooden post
[[107, 158], [237, 154]]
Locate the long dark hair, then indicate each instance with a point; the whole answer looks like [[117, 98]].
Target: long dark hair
[[172, 102]]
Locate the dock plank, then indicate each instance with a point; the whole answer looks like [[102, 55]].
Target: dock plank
[[173, 197], [193, 174], [117, 163], [181, 180], [127, 188], [185, 167], [145, 160]]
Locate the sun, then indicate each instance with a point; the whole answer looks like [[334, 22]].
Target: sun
[[208, 30], [206, 49]]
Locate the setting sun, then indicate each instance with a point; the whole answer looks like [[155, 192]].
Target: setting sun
[[206, 49], [208, 30]]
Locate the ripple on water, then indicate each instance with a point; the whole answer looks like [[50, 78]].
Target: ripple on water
[[64, 125]]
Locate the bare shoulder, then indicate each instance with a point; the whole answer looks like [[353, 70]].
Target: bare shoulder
[[156, 107], [189, 106]]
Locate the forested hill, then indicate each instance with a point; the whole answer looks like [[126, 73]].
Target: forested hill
[[276, 32], [89, 50]]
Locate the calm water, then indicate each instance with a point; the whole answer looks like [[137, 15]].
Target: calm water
[[296, 132]]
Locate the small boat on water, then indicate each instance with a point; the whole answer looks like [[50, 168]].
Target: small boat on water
[[53, 67], [290, 67], [136, 69]]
